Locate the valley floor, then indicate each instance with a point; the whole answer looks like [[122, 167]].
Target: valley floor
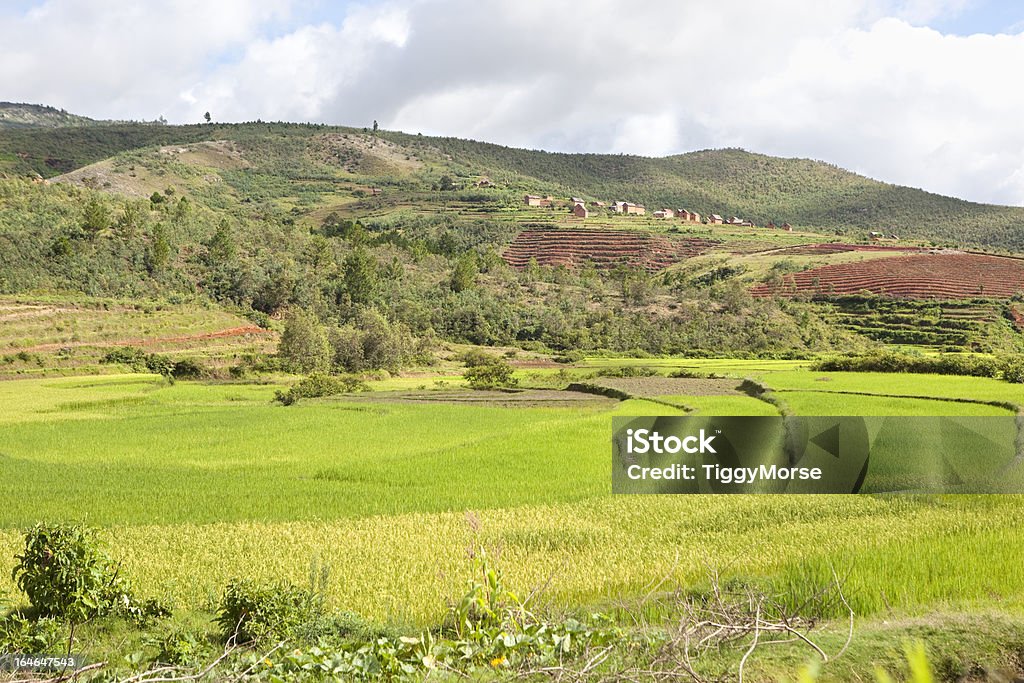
[[195, 484]]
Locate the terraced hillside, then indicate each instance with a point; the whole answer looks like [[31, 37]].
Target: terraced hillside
[[978, 324], [603, 248], [921, 276], [47, 336]]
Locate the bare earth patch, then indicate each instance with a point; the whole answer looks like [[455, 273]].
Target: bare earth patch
[[671, 386]]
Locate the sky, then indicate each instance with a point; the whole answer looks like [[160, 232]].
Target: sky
[[924, 93]]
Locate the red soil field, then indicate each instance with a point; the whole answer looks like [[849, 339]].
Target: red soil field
[[603, 248], [840, 248], [921, 276]]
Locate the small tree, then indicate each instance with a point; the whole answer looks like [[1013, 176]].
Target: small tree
[[95, 217], [207, 117], [446, 184], [304, 346], [359, 273], [464, 273]]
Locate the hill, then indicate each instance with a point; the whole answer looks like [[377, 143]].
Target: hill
[[727, 182], [21, 115], [420, 239], [733, 182]]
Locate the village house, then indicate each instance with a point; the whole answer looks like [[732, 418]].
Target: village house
[[598, 204], [787, 227], [576, 200], [664, 213], [876, 235], [770, 225], [688, 216], [634, 209], [715, 219], [484, 182], [579, 210], [534, 200], [618, 207]]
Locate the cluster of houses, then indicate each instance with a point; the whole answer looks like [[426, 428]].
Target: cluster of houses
[[580, 210]]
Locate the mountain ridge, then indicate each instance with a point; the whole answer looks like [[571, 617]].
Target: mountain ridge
[[759, 187]]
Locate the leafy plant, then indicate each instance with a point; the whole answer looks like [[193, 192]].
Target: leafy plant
[[318, 386], [65, 574], [250, 611], [493, 375], [18, 633]]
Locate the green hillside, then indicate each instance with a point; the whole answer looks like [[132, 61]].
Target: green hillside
[[727, 182], [20, 115], [401, 234], [757, 187]]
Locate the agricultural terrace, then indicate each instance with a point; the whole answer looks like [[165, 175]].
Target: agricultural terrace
[[197, 483], [919, 276], [602, 248], [43, 336]]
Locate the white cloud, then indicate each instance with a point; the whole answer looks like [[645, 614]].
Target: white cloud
[[861, 83]]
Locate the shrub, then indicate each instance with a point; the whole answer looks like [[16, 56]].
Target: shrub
[[188, 368], [493, 375], [18, 633], [182, 647], [1013, 369], [133, 357], [63, 571], [318, 386], [627, 371], [250, 611], [476, 357], [258, 318], [65, 574], [140, 361], [892, 361]]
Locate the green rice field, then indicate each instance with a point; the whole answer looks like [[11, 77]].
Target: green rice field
[[195, 483]]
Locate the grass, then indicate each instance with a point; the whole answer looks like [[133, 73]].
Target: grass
[[55, 335], [832, 403], [724, 405], [198, 483], [933, 386]]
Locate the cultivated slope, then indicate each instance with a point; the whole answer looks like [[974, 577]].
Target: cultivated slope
[[728, 182]]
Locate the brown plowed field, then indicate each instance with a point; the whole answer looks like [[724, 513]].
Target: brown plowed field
[[603, 248], [840, 248], [921, 276]]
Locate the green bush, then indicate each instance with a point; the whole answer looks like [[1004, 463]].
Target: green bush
[[18, 633], [318, 386], [627, 371], [188, 368], [494, 375], [1013, 369], [64, 573], [476, 357], [182, 647], [250, 611], [893, 361], [140, 361]]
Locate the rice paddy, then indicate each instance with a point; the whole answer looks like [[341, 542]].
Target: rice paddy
[[197, 483]]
